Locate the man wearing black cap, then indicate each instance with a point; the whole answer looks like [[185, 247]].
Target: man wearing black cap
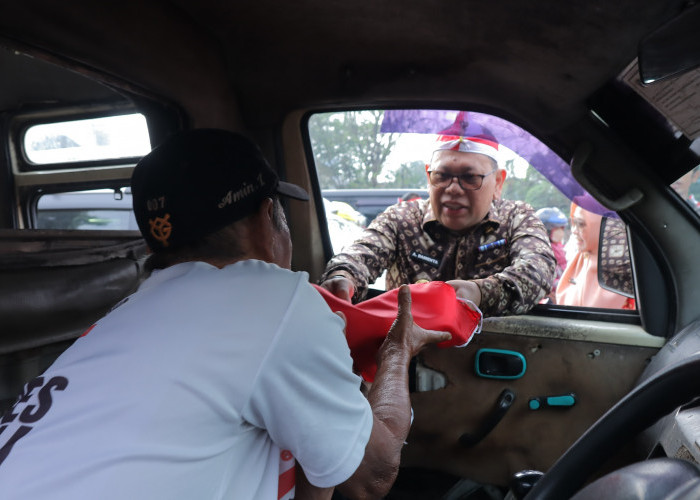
[[226, 375]]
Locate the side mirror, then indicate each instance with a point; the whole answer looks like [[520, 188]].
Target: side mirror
[[614, 264]]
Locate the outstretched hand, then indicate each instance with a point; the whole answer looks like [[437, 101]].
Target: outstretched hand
[[340, 286], [391, 403], [466, 290], [405, 334]]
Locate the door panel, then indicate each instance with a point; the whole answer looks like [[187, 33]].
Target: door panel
[[599, 370]]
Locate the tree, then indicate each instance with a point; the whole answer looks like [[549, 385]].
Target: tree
[[534, 189], [348, 148], [408, 175]]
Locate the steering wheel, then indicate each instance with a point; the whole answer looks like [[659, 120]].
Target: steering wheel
[[654, 398]]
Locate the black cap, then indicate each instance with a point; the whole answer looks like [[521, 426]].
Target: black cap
[[198, 182]]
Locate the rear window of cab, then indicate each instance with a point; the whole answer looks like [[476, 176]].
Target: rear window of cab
[[86, 140]]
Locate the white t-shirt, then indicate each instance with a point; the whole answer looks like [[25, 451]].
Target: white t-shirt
[[193, 388]]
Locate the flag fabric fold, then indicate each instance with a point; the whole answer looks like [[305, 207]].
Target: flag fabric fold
[[434, 306]]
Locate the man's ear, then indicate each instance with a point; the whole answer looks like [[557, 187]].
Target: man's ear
[[500, 179], [269, 206], [265, 212], [427, 174], [260, 229]]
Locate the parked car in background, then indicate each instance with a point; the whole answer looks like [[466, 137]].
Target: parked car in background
[[590, 102], [371, 202], [99, 209]]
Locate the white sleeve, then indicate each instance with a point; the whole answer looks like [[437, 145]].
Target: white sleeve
[[306, 396]]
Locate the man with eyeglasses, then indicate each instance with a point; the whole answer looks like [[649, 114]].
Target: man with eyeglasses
[[494, 252]]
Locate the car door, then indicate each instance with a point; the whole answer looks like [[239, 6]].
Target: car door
[[487, 424]]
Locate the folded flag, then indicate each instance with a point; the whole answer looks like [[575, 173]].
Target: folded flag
[[434, 306]]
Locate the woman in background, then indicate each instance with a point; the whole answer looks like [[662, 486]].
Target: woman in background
[[578, 285]]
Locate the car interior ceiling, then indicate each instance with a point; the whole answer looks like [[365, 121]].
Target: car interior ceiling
[[367, 80]]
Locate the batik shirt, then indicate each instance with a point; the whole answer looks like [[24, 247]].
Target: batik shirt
[[508, 254]]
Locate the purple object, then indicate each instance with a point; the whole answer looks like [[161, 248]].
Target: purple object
[[473, 124]]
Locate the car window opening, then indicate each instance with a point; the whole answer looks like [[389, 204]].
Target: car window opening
[[379, 169]]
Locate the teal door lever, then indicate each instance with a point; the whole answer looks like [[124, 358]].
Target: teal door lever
[[562, 401]]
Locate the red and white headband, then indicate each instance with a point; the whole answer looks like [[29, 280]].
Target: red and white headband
[[469, 145]]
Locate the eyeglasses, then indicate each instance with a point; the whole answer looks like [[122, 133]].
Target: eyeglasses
[[468, 182]]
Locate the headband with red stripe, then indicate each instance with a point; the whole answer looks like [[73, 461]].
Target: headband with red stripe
[[479, 145]]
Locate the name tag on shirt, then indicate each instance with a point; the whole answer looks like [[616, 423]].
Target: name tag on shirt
[[424, 258]]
